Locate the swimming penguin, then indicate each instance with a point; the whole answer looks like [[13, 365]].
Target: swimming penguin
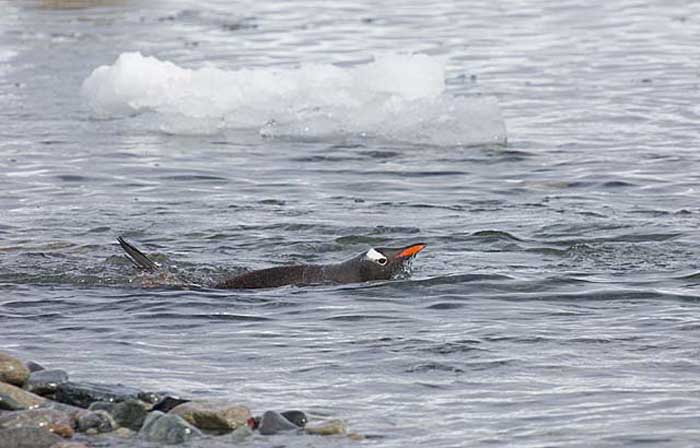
[[376, 264]]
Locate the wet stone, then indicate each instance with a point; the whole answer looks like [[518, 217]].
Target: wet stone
[[100, 421], [35, 418], [62, 430], [13, 398], [327, 428], [165, 404], [167, 428], [240, 434], [213, 415], [84, 394], [130, 414], [12, 370], [296, 417], [73, 411], [66, 444], [273, 422], [149, 397], [356, 436], [34, 366], [45, 382], [87, 421], [124, 433], [28, 438], [102, 406]]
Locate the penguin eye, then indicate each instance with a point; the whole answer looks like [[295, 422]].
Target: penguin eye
[[382, 261]]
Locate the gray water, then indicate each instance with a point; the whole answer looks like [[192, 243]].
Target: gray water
[[555, 305]]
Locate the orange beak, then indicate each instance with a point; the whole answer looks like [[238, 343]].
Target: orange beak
[[411, 250]]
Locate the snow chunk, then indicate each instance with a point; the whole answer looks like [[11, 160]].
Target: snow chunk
[[396, 98]]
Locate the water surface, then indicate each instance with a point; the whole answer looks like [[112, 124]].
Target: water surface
[[556, 303]]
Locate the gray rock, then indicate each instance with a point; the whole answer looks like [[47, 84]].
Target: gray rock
[[327, 428], [13, 398], [101, 406], [107, 423], [214, 415], [240, 434], [167, 428], [84, 394], [28, 438], [130, 414], [100, 421], [124, 433], [34, 366], [273, 422], [87, 421], [73, 411], [67, 444], [149, 397], [296, 417], [45, 382], [166, 403], [36, 418], [12, 370]]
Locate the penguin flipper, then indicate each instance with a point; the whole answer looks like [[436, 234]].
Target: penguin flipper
[[137, 257]]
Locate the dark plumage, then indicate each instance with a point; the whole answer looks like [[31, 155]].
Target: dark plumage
[[376, 264]]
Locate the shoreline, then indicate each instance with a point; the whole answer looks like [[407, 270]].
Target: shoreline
[[41, 408]]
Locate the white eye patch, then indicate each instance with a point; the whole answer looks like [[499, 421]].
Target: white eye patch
[[376, 256]]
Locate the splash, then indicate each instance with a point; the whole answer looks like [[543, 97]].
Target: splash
[[396, 98]]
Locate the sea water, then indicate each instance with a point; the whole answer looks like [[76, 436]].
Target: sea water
[[547, 153]]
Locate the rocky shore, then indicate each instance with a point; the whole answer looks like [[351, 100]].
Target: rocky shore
[[43, 408]]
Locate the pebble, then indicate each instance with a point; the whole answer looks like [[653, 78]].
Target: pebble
[[167, 428], [130, 414], [66, 444], [327, 428], [62, 430], [73, 411], [240, 434], [45, 382], [84, 394], [87, 421], [29, 420], [296, 417], [213, 415], [36, 418], [124, 433], [167, 403], [356, 436], [102, 406], [13, 398], [34, 366], [273, 422], [149, 397], [28, 438], [12, 370], [100, 421]]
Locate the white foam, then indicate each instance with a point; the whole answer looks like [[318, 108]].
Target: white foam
[[396, 97]]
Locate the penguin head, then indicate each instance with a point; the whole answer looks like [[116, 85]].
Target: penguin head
[[384, 263]]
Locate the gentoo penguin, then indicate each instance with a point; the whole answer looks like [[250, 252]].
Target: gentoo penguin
[[379, 263]]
